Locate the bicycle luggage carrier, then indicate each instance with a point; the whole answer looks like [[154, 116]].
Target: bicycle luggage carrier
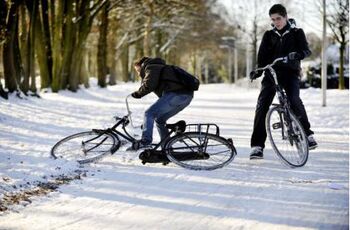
[[204, 128]]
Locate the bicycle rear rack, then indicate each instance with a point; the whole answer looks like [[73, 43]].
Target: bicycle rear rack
[[204, 128]]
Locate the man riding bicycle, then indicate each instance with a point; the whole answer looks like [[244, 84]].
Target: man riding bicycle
[[159, 78], [283, 40]]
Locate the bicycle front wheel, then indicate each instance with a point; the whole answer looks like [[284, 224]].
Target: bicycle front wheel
[[200, 151], [288, 139], [85, 147]]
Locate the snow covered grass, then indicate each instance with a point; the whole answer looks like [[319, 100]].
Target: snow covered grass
[[121, 193]]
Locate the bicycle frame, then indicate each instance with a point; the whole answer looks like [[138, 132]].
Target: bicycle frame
[[282, 98], [126, 120], [191, 143]]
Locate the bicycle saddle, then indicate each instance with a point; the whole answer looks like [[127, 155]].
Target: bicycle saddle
[[179, 126]]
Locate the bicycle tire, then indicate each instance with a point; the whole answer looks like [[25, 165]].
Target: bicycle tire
[[293, 152], [85, 147], [217, 153]]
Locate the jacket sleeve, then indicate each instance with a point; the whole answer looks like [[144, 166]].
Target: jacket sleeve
[[263, 52], [302, 44], [150, 81]]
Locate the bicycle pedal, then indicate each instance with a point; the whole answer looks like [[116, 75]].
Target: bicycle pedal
[[276, 125]]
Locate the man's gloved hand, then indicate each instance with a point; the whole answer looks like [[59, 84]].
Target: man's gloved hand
[[294, 56], [255, 74], [136, 95]]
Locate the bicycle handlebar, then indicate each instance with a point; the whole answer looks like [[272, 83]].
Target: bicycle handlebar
[[129, 111], [127, 105], [284, 59]]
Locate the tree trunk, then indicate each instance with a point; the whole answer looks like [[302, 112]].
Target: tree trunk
[[27, 46], [341, 66], [3, 17], [68, 42], [113, 73], [148, 27], [159, 43], [84, 71], [75, 70], [57, 18], [112, 58], [41, 51], [102, 48], [24, 48], [125, 63], [33, 20], [43, 47], [10, 68], [86, 15]]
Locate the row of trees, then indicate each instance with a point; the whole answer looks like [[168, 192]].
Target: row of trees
[[61, 38], [67, 41]]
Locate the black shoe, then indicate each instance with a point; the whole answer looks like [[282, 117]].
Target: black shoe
[[153, 156], [256, 153], [312, 143]]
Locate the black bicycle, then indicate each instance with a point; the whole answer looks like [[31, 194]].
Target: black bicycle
[[192, 146], [286, 134]]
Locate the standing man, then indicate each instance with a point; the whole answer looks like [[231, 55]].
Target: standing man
[[283, 40], [173, 96]]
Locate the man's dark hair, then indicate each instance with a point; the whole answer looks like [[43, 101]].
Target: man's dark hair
[[140, 61], [278, 9]]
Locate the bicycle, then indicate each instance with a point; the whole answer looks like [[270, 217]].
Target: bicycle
[[199, 148], [285, 132]]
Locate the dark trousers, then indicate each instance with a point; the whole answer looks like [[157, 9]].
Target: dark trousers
[[291, 86]]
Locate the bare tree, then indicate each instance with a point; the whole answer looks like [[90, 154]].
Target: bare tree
[[11, 54], [338, 21]]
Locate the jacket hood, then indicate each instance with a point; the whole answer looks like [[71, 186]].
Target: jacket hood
[[150, 61]]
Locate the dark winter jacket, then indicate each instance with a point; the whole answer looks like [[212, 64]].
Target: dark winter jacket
[[277, 44], [158, 77]]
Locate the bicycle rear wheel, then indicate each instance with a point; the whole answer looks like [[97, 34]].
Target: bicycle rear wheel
[[291, 148], [85, 147], [200, 151]]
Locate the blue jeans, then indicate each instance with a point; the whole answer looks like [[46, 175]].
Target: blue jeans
[[169, 104]]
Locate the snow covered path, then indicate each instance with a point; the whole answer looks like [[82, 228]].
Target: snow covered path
[[121, 193]]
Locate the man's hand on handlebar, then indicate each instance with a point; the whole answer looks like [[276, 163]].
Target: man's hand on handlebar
[[255, 74], [294, 56], [136, 95]]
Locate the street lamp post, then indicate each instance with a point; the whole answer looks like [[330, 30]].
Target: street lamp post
[[324, 58]]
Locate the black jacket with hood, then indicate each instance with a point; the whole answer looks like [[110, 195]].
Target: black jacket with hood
[[277, 44], [158, 77]]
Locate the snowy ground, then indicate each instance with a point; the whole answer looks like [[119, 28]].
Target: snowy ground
[[121, 193]]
